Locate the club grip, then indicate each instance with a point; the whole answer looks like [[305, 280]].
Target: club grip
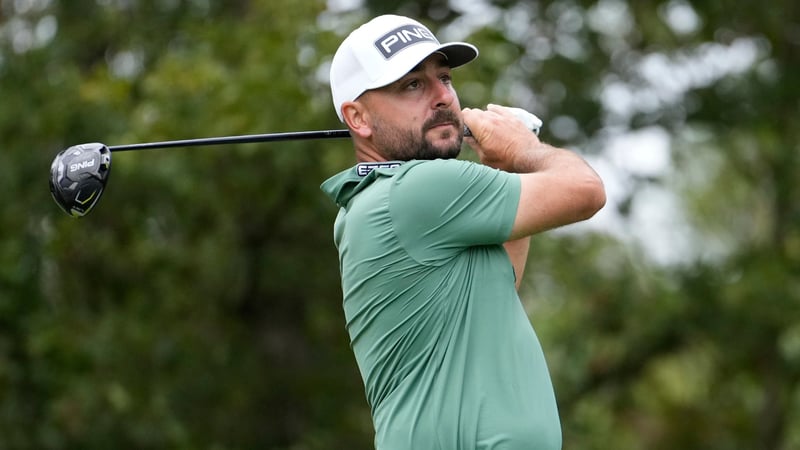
[[532, 122]]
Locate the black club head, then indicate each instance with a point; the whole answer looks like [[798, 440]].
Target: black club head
[[78, 177]]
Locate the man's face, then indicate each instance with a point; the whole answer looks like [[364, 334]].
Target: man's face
[[417, 116]]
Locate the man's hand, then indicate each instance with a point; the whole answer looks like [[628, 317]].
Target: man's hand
[[498, 135]]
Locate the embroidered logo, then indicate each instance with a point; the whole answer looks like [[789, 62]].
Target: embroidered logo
[[363, 169], [400, 38]]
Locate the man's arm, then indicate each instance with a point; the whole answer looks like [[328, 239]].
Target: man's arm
[[557, 186]]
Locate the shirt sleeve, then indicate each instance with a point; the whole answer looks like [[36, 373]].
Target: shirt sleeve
[[440, 207]]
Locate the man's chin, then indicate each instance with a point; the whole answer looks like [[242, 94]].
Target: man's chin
[[446, 151], [447, 143]]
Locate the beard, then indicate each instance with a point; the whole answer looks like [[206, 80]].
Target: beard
[[399, 144]]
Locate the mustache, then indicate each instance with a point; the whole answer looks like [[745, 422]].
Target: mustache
[[442, 116]]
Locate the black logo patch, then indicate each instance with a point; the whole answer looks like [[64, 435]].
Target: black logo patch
[[398, 39], [363, 169]]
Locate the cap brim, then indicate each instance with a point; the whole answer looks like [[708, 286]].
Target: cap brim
[[457, 54]]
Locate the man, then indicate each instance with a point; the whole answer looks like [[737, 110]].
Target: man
[[432, 249]]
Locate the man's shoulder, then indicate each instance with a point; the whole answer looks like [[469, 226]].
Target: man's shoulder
[[437, 163], [435, 168], [438, 173]]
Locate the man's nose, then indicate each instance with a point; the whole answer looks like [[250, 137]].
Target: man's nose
[[443, 95]]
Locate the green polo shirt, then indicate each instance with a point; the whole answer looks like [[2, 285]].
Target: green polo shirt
[[448, 356]]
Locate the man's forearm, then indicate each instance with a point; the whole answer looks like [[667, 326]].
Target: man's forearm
[[544, 157]]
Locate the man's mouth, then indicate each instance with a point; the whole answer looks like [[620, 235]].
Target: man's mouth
[[443, 119], [441, 125]]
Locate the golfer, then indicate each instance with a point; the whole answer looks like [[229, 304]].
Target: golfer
[[432, 249]]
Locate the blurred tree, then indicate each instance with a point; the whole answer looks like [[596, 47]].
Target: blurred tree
[[198, 306], [177, 314]]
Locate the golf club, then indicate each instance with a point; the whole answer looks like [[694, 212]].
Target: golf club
[[78, 174]]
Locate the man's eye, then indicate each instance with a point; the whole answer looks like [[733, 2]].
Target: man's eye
[[413, 84], [446, 79]]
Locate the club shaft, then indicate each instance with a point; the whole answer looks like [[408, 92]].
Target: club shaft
[[243, 139]]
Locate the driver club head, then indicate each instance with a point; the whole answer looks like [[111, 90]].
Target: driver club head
[[78, 177]]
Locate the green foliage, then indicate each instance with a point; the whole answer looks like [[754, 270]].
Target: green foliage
[[199, 307], [189, 309]]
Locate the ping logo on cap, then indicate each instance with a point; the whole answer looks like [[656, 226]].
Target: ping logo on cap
[[396, 40]]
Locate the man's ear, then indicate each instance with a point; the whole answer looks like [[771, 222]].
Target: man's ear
[[357, 118]]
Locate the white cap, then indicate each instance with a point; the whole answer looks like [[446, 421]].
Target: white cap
[[382, 51]]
